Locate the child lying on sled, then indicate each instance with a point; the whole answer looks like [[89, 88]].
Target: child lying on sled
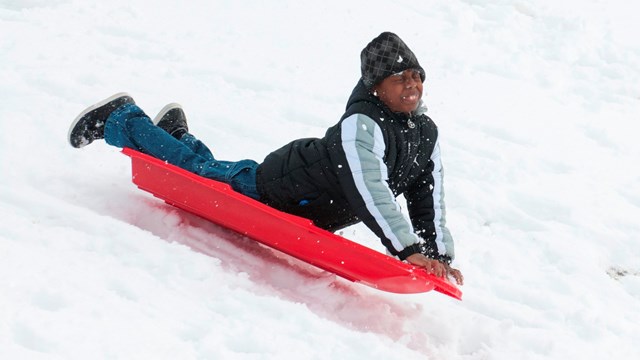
[[383, 146]]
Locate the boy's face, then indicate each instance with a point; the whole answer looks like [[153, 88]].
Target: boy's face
[[401, 92]]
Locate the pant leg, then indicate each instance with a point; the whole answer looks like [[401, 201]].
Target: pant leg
[[241, 175], [129, 126], [197, 146]]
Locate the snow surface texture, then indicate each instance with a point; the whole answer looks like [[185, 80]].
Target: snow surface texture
[[537, 104]]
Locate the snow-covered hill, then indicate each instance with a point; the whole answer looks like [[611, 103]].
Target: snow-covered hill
[[537, 103]]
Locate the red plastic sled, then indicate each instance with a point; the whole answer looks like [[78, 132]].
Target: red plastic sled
[[293, 235]]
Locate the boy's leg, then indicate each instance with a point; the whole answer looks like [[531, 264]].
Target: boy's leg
[[197, 146], [129, 126], [173, 120], [241, 175]]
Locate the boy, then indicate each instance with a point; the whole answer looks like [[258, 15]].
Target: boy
[[383, 146]]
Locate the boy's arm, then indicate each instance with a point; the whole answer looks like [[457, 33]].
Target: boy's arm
[[359, 159], [425, 202]]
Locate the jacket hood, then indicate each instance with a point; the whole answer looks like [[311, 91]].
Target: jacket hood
[[362, 93]]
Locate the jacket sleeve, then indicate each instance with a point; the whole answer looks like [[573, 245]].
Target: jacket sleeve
[[425, 201], [364, 179]]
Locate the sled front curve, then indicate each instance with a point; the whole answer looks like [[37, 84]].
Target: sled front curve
[[293, 235]]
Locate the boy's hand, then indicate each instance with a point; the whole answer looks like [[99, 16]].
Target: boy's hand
[[455, 274], [436, 267], [432, 266]]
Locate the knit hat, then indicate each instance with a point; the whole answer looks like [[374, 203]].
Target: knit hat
[[384, 56]]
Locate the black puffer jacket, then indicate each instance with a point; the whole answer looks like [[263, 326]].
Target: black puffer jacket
[[356, 171]]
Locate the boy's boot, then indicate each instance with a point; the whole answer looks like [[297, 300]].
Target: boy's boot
[[172, 120], [89, 125]]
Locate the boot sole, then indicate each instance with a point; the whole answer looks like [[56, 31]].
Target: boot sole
[[164, 111]]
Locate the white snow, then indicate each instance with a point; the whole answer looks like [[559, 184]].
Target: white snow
[[537, 104]]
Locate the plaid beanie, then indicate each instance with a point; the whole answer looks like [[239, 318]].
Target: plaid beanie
[[384, 56]]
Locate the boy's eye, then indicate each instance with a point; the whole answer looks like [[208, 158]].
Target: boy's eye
[[405, 75], [415, 74]]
